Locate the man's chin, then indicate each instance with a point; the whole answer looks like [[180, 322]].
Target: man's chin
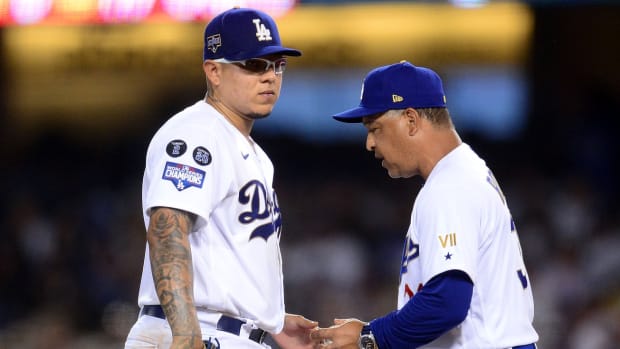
[[395, 173], [257, 116]]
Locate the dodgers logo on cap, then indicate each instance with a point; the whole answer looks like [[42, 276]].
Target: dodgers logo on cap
[[262, 33]]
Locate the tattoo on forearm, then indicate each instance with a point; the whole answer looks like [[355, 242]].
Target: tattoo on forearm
[[171, 263]]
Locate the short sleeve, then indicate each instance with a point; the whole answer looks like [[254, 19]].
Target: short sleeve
[[185, 170], [448, 227]]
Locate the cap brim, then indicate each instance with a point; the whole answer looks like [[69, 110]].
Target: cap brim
[[357, 114], [289, 52], [265, 51]]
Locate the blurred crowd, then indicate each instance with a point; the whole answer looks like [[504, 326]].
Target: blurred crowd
[[73, 238]]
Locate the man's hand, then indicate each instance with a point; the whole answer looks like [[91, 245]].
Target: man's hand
[[296, 332], [344, 334]]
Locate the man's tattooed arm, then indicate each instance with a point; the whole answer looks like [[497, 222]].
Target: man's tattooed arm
[[171, 264]]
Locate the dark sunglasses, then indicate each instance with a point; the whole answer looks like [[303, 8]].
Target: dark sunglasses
[[258, 65]]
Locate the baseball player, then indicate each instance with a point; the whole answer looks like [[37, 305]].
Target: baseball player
[[212, 274], [463, 282]]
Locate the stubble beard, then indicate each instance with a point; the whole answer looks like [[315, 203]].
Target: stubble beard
[[258, 116]]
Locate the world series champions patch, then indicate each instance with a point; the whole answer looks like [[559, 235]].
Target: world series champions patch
[[183, 176]]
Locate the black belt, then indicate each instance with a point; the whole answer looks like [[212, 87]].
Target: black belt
[[225, 323], [528, 346]]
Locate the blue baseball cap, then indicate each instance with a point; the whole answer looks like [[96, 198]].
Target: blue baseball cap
[[243, 33], [396, 86]]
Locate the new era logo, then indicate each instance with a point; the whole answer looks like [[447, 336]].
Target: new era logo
[[397, 98]]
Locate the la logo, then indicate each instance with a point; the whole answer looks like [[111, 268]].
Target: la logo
[[262, 33]]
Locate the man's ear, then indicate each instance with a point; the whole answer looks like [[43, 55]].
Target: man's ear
[[212, 72], [413, 119]]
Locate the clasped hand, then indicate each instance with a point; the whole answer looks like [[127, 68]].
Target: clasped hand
[[344, 334]]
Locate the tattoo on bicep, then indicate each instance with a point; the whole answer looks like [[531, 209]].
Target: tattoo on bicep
[[171, 261]]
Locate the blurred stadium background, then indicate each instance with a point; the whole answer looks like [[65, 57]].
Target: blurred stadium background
[[533, 86]]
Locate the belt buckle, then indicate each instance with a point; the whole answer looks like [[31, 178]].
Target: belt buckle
[[257, 335], [241, 328], [215, 344]]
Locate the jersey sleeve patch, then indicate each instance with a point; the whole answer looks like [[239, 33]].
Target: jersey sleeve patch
[[183, 176], [202, 156], [447, 240], [176, 148]]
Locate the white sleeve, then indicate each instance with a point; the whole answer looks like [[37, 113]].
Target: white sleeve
[[185, 170], [448, 226]]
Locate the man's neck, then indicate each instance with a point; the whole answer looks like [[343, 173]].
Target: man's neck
[[244, 125]]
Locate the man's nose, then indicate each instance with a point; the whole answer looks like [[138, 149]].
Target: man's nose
[[370, 143]]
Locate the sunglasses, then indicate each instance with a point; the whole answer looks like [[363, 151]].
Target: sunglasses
[[258, 65]]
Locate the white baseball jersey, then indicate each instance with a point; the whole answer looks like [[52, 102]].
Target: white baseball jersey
[[460, 220], [200, 163]]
